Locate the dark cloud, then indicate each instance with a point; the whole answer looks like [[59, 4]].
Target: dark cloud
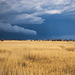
[[6, 27], [28, 12]]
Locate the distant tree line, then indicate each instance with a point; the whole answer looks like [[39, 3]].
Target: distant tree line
[[54, 40], [44, 40]]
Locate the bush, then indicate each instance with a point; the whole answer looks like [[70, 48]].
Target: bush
[[2, 39]]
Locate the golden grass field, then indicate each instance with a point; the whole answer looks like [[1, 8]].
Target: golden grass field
[[37, 57]]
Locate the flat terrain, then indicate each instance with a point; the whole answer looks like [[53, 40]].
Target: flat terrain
[[37, 58]]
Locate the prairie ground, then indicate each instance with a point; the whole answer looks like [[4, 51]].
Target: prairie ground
[[37, 58]]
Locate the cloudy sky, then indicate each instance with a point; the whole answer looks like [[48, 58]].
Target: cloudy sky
[[37, 19]]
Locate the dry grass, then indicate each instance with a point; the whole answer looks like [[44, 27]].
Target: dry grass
[[37, 58]]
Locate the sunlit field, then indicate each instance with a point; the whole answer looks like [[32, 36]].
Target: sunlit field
[[37, 58]]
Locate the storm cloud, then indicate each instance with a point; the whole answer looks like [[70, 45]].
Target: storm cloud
[[6, 27], [29, 11]]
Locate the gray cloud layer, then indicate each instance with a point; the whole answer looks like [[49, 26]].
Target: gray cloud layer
[[6, 27], [28, 11]]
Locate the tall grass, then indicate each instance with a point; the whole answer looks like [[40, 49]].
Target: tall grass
[[37, 58]]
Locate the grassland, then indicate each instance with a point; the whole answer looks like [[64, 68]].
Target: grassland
[[37, 58]]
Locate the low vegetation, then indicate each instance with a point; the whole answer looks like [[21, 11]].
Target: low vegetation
[[37, 58]]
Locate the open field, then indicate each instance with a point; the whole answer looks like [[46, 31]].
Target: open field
[[37, 58]]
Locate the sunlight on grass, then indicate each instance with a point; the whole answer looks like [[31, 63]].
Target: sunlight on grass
[[37, 58]]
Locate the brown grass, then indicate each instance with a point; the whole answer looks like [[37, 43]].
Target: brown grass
[[37, 58]]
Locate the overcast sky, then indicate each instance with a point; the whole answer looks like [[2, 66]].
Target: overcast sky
[[37, 19]]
